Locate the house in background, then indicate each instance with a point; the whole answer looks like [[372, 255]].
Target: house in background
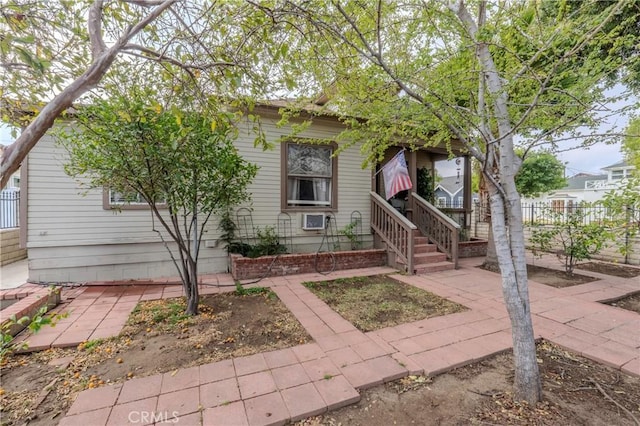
[[76, 236], [448, 192], [586, 187]]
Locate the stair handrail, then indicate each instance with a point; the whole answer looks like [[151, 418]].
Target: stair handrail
[[394, 229], [439, 228]]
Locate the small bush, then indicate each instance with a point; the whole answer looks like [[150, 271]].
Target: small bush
[[268, 244]]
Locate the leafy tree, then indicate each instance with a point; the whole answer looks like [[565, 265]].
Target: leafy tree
[[54, 53], [426, 73], [540, 172], [425, 185], [181, 162]]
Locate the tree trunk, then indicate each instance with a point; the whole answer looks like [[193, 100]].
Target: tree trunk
[[491, 259], [192, 294], [506, 219], [527, 379]]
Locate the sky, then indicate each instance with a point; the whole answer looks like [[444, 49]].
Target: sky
[[5, 135]]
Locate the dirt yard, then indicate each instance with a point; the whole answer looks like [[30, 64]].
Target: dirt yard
[[617, 270], [630, 303], [158, 338], [38, 388], [372, 303], [576, 392], [553, 277]]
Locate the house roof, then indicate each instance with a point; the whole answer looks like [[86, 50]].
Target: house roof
[[618, 165], [578, 181], [451, 184]]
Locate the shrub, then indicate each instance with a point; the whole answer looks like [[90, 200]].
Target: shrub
[[576, 240]]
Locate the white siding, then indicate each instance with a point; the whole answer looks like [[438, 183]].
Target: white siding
[[72, 238]]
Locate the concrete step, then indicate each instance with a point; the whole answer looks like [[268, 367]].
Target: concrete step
[[425, 248], [434, 257], [433, 267]]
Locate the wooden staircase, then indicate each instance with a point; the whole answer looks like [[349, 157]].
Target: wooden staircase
[[406, 245], [427, 258]]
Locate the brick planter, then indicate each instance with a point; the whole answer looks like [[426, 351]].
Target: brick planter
[[243, 268], [29, 306], [474, 247]]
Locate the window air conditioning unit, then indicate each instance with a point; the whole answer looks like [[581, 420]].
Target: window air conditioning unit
[[313, 221]]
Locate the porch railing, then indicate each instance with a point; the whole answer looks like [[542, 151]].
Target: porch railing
[[394, 229], [438, 227]]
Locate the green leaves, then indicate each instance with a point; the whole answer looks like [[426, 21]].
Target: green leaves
[[573, 232], [179, 157], [540, 172]]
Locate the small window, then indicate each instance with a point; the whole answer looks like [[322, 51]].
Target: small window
[[617, 174], [119, 198], [309, 177], [126, 201], [442, 202]]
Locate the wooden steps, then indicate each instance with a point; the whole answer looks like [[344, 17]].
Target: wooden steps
[[427, 258]]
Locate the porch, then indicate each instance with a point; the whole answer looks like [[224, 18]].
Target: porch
[[422, 232]]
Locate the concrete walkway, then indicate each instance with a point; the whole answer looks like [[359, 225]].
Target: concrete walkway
[[291, 384], [14, 274]]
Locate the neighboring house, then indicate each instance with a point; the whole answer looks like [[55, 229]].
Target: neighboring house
[[448, 192], [585, 187], [74, 236]]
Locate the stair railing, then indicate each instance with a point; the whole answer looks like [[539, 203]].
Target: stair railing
[[439, 228], [394, 229]]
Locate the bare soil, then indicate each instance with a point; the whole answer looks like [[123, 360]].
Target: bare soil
[[158, 338], [372, 303], [480, 394], [617, 270], [630, 303], [556, 278], [553, 277]]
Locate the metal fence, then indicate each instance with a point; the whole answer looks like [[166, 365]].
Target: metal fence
[[547, 212], [9, 208]]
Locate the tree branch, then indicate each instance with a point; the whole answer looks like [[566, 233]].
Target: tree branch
[[16, 152], [144, 3], [95, 30]]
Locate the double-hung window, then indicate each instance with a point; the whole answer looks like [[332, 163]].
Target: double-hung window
[[309, 177]]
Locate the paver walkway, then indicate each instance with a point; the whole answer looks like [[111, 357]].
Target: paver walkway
[[291, 384]]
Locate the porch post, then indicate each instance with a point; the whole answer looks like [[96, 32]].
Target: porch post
[[413, 174], [466, 198]]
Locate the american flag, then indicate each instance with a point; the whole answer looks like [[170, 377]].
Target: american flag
[[396, 175]]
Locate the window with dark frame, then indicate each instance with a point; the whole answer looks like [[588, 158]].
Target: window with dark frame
[[309, 176], [119, 198]]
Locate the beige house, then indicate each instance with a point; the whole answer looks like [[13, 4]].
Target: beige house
[[76, 236]]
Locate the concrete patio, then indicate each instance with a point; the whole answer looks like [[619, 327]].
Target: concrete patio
[[286, 385]]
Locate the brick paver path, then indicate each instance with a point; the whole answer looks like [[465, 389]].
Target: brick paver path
[[290, 384]]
